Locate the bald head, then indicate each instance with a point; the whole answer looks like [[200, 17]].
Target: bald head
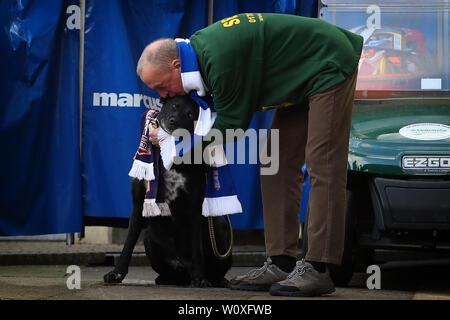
[[160, 68], [160, 53]]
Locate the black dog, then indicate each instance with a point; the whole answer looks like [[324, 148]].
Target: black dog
[[179, 246]]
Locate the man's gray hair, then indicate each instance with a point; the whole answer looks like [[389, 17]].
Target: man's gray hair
[[160, 52]]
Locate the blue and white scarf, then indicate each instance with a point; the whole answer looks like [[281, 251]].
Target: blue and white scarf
[[220, 197], [147, 166]]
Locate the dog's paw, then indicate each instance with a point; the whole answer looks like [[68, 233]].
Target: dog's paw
[[200, 283], [222, 283], [113, 277]]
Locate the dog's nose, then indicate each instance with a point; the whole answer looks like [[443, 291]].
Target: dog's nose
[[172, 121]]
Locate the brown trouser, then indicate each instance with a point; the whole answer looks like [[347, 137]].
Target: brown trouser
[[318, 136]]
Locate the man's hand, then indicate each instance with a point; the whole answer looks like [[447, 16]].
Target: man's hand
[[153, 134]]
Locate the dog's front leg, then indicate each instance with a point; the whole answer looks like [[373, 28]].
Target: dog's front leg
[[135, 226]]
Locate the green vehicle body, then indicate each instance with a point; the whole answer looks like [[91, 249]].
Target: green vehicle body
[[389, 207], [376, 147], [398, 182]]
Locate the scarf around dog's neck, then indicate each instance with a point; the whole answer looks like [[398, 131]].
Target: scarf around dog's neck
[[146, 166], [220, 197]]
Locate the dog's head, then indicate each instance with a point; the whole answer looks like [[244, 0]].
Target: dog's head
[[178, 112]]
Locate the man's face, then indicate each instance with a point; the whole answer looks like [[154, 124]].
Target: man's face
[[166, 80]]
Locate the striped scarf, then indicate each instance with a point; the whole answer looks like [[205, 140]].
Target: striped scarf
[[220, 197]]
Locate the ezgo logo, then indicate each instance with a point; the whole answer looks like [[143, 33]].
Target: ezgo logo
[[112, 99]]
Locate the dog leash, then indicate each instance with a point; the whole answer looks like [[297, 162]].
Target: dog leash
[[213, 239]]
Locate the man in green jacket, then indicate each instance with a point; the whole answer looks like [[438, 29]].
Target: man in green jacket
[[305, 68]]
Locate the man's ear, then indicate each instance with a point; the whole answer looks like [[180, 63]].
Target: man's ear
[[176, 64]]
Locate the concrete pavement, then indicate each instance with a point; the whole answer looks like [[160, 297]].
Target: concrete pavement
[[32, 270], [50, 283]]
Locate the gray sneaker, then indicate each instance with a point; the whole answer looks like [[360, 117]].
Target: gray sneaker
[[304, 281], [259, 279]]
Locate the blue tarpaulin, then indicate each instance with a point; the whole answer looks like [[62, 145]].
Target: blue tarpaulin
[[47, 187], [114, 97], [116, 33], [39, 119]]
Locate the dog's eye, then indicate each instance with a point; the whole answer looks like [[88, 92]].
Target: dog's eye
[[191, 116], [174, 107]]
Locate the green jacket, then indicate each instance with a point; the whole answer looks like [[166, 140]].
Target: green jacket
[[253, 62]]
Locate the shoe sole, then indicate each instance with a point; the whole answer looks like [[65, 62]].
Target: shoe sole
[[249, 287], [287, 293]]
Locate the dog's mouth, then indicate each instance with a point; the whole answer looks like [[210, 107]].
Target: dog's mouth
[[171, 125], [156, 123]]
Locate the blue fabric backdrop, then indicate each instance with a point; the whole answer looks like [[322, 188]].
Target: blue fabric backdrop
[[46, 187], [39, 119], [116, 33]]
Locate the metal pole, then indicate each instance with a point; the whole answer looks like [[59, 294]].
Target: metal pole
[[210, 12], [70, 239], [81, 68], [81, 86]]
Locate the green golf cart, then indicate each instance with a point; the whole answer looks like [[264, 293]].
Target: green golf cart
[[398, 191]]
